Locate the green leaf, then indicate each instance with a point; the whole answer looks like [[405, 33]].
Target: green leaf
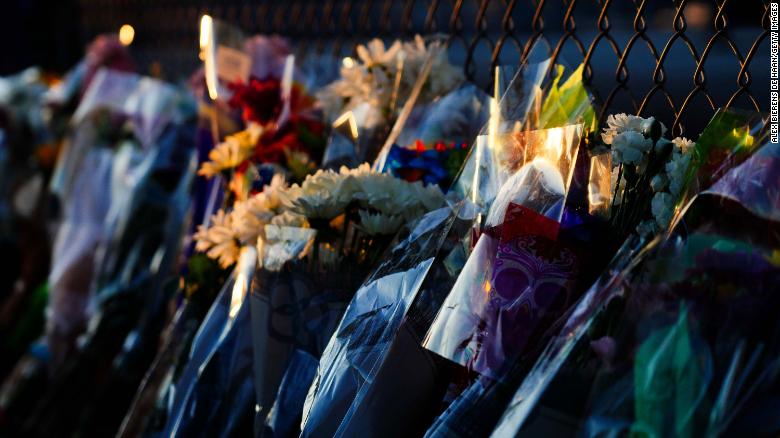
[[568, 103]]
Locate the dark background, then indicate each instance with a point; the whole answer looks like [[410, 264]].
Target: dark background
[[726, 36]]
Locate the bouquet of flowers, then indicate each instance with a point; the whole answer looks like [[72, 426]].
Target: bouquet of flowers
[[215, 115], [281, 132], [22, 189], [517, 248], [366, 100], [689, 313], [255, 80], [376, 351], [131, 136], [232, 65], [373, 356], [35, 109], [305, 235]]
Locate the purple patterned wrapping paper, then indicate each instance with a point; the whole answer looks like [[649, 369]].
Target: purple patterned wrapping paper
[[530, 275], [503, 294]]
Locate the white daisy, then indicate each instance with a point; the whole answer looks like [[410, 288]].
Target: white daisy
[[219, 240], [379, 224]]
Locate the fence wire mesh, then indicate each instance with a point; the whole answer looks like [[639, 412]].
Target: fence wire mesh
[[678, 60]]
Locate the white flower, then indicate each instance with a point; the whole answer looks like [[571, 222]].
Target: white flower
[[372, 77], [677, 166], [233, 151], [379, 224], [662, 207], [684, 145], [326, 194], [394, 196], [250, 217], [290, 219], [374, 53], [358, 172], [444, 77], [647, 228], [273, 193], [620, 123], [244, 225], [402, 200], [659, 182], [354, 87], [322, 180], [314, 198], [378, 191], [629, 147], [370, 82], [319, 204], [360, 84], [430, 196], [218, 240]]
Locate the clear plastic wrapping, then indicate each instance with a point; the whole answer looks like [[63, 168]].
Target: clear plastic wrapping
[[650, 348], [220, 365], [96, 185], [344, 383], [515, 271], [435, 140]]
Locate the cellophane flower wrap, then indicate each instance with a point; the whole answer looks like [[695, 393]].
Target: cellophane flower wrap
[[362, 376], [601, 216], [124, 177], [515, 272], [354, 373], [86, 168], [317, 241], [219, 366], [436, 138], [333, 229], [659, 303], [523, 179]]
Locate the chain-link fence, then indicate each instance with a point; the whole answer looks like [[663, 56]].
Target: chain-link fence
[[678, 60]]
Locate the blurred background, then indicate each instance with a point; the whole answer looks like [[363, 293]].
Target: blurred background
[[711, 52]]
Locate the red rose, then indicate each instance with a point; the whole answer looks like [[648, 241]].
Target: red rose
[[259, 100], [271, 146]]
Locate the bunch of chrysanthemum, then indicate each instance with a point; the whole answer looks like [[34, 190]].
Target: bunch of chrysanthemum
[[361, 199]]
